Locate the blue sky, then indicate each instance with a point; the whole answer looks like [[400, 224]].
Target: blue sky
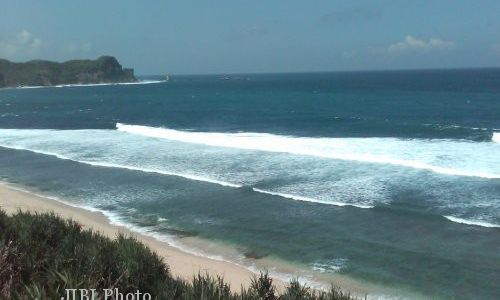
[[195, 37]]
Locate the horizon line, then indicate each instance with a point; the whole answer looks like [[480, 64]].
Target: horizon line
[[325, 71]]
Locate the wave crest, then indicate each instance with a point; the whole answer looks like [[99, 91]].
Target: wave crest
[[416, 154], [472, 222], [496, 137]]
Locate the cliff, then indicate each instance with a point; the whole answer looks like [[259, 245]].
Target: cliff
[[105, 69]]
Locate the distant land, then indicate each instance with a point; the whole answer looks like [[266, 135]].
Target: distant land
[[105, 69]]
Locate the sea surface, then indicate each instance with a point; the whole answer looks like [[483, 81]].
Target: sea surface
[[390, 179]]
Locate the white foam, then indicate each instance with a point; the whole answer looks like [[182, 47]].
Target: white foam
[[117, 220], [311, 180], [390, 151], [146, 170], [334, 265], [471, 222], [87, 84], [192, 177], [308, 199], [496, 137], [111, 83], [26, 87]]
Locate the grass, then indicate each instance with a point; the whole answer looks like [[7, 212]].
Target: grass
[[41, 255]]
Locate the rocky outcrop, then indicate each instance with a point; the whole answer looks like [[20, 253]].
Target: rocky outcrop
[[105, 69]]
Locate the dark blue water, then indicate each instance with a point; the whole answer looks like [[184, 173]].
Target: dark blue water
[[426, 104], [390, 178]]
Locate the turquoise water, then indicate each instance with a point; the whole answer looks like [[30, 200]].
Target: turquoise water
[[391, 178]]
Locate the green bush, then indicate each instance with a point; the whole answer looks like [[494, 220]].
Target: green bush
[[41, 255]]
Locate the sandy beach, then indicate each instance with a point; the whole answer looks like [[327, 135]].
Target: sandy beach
[[184, 264], [181, 264]]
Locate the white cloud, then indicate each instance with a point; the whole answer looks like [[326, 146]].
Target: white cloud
[[412, 43], [23, 43]]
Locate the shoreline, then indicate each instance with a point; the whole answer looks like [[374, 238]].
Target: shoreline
[[28, 87], [185, 264], [181, 264]]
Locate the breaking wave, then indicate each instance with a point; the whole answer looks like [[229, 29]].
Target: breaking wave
[[471, 222], [496, 137], [299, 177], [417, 154]]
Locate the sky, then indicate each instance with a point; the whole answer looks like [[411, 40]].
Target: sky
[[233, 36]]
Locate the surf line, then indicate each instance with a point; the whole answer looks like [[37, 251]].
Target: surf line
[[192, 177], [291, 145]]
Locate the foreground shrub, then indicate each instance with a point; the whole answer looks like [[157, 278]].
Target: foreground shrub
[[42, 255]]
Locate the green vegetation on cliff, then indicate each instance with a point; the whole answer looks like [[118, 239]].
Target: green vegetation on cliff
[[41, 255], [105, 69]]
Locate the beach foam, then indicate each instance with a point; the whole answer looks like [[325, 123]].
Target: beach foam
[[117, 220]]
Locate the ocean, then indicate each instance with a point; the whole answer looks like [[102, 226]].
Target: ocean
[[390, 179]]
